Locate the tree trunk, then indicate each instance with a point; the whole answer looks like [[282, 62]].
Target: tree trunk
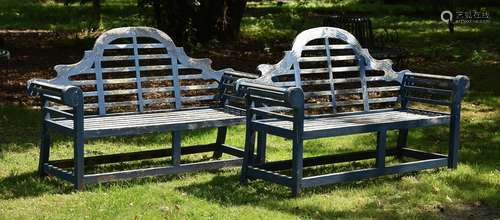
[[203, 20], [96, 10], [173, 17], [233, 14]]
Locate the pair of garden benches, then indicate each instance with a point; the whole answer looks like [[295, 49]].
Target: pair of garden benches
[[326, 86]]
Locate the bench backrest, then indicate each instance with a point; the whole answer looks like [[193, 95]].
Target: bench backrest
[[138, 69], [335, 72]]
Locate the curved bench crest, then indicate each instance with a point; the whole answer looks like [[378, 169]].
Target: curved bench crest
[[332, 40], [136, 53]]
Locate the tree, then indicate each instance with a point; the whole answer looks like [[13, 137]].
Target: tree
[[200, 19], [96, 8]]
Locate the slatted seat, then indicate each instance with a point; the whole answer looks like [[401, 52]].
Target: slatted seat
[[328, 85], [132, 124], [318, 127], [136, 81]]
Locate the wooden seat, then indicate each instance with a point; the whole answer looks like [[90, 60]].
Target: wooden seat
[[317, 127], [131, 124]]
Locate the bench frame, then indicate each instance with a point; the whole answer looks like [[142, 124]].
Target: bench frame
[[262, 92], [62, 91]]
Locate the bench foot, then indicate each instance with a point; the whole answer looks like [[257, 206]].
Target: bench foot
[[296, 191]]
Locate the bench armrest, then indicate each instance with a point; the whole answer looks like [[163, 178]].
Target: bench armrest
[[433, 89], [64, 94], [459, 80], [292, 97], [262, 101], [228, 96]]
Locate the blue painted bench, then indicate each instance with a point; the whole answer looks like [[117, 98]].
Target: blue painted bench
[[326, 86], [136, 81]]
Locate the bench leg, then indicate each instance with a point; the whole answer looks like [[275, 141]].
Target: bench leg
[[79, 160], [381, 148], [44, 150], [454, 141], [221, 139], [297, 166], [248, 153], [402, 142], [176, 148], [44, 139], [261, 148]]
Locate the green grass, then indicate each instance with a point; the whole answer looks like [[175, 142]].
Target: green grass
[[472, 189], [219, 195], [50, 15]]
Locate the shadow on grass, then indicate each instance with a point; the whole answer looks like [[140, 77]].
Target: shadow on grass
[[30, 185], [227, 191], [19, 128]]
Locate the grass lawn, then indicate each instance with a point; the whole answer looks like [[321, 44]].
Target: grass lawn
[[470, 192]]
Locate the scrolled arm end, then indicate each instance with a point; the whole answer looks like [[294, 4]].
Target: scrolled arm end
[[67, 94], [462, 81], [295, 97], [73, 96]]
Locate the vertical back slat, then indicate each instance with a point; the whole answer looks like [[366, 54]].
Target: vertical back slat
[[99, 85], [140, 101], [176, 82], [296, 69], [330, 74], [362, 76]]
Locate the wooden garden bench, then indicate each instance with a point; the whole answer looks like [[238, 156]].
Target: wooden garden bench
[[327, 86], [135, 81]]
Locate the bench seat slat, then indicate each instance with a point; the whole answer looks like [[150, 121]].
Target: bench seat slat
[[370, 121], [161, 121], [144, 121]]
